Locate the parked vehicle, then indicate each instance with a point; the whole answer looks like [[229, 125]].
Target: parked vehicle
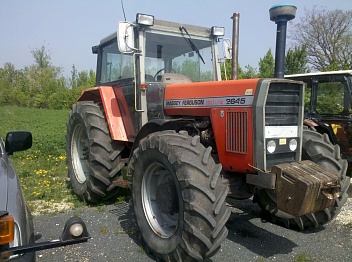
[[17, 238], [191, 140], [12, 199], [328, 106]]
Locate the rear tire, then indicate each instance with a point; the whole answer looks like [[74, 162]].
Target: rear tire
[[93, 159], [178, 197], [318, 149]]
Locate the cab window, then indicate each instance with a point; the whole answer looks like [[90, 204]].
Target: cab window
[[115, 66]]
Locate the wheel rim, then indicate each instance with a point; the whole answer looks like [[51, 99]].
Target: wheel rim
[[79, 153], [160, 200]]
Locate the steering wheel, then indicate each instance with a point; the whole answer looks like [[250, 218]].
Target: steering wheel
[[159, 71]]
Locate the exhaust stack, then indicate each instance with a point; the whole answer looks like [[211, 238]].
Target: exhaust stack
[[280, 14], [235, 40]]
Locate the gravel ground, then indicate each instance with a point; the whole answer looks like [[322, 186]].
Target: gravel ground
[[250, 237]]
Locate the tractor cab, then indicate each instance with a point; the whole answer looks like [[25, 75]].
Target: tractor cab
[[328, 106], [142, 57], [151, 50]]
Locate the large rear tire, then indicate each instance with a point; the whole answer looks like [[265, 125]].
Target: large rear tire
[[178, 197], [93, 159], [317, 148]]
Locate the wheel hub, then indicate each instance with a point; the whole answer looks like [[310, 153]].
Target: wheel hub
[[80, 153], [166, 197]]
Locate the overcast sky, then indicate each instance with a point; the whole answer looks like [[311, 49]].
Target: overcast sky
[[69, 28]]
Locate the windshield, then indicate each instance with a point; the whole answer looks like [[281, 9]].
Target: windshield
[[173, 53]]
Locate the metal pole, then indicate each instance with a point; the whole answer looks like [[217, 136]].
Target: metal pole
[[235, 38]]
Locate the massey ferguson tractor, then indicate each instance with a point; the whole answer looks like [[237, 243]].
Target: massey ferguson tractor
[[190, 141]]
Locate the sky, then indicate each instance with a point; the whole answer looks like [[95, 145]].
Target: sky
[[69, 28]]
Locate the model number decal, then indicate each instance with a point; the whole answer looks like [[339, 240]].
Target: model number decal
[[210, 102], [236, 101]]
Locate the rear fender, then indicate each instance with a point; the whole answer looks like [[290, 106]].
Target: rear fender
[[119, 121]]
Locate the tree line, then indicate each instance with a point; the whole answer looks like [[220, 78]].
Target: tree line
[[41, 85], [320, 41]]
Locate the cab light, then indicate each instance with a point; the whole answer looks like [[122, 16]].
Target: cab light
[[7, 229], [217, 31], [143, 19]]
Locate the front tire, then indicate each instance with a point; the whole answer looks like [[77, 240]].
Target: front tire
[[93, 159], [318, 149], [178, 197]]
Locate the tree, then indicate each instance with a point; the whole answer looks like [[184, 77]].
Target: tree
[[73, 79], [267, 65], [41, 84], [226, 70], [327, 36], [42, 57], [296, 60], [250, 72]]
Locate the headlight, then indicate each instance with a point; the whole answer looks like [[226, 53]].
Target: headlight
[[271, 146], [293, 144]]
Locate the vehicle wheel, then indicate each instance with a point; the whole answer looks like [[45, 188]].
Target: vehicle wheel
[[319, 149], [93, 159], [178, 197]]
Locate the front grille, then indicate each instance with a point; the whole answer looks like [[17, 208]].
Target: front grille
[[282, 109], [282, 105], [237, 132]]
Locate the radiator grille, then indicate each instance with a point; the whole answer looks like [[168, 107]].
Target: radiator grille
[[282, 105], [237, 132], [282, 109]]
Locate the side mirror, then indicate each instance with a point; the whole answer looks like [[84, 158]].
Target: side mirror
[[227, 48], [18, 141], [125, 37]]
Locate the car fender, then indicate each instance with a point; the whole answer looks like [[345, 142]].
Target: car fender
[[19, 209]]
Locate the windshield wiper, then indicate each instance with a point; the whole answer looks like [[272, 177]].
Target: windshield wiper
[[190, 43]]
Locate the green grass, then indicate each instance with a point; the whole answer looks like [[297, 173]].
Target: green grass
[[43, 169], [104, 230], [304, 258]]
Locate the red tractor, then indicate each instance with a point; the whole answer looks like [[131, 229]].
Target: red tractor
[[190, 140]]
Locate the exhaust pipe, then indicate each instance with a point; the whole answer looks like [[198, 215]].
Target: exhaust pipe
[[280, 14], [235, 40]]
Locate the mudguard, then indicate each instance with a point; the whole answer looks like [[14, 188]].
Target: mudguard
[[116, 111]]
